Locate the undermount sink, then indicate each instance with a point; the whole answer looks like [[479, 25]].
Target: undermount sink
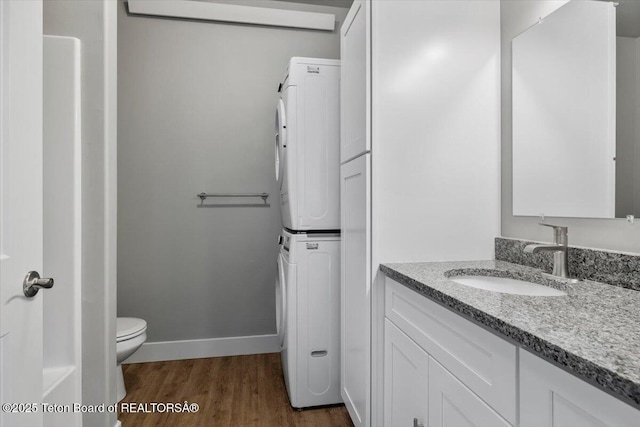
[[507, 285]]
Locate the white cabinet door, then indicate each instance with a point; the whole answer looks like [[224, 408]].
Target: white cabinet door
[[484, 362], [353, 83], [406, 376], [355, 205], [451, 403], [552, 397]]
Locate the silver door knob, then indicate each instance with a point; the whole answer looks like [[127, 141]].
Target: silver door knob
[[416, 423], [33, 283]]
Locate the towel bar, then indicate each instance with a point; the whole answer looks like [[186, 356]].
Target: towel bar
[[204, 196]]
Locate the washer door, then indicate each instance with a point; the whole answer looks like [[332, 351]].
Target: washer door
[[281, 302], [281, 141]]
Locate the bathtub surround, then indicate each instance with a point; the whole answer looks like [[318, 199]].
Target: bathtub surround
[[615, 268], [197, 115]]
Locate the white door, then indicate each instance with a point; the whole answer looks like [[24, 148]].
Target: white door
[[406, 379], [21, 245], [355, 203]]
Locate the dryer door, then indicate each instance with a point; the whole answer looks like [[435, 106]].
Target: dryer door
[[281, 302], [281, 141]]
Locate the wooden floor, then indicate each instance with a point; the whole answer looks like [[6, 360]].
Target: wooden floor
[[230, 391]]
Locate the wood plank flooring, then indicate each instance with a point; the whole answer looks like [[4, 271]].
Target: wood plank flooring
[[232, 391]]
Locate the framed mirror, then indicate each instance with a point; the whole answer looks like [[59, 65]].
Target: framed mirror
[[576, 112]]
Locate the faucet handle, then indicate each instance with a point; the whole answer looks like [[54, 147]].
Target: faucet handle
[[560, 233], [560, 227]]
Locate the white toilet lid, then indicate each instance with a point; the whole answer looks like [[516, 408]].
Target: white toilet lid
[[128, 327]]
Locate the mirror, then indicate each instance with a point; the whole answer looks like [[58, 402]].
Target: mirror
[[576, 112]]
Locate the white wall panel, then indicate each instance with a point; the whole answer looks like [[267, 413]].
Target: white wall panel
[[436, 129]]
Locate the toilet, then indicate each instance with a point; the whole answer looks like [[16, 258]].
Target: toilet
[[131, 334]]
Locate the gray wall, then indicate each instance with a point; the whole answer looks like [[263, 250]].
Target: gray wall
[[196, 113], [86, 20], [617, 234]]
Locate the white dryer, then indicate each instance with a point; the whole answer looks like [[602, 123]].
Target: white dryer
[[307, 140], [308, 317]]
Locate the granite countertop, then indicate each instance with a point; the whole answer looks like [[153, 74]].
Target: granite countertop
[[593, 331]]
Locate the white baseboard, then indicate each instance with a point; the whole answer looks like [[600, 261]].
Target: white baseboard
[[197, 349]]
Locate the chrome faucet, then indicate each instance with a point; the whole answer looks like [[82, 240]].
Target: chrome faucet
[[559, 249]]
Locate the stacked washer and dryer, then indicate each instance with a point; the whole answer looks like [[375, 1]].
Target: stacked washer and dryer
[[308, 283]]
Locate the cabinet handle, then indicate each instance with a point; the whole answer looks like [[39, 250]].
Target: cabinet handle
[[416, 423]]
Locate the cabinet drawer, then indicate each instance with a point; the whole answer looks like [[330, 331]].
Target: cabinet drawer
[[481, 360]]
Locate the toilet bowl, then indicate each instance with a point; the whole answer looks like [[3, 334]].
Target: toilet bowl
[[131, 334]]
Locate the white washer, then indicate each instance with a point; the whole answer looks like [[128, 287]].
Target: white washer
[[308, 317], [307, 139]]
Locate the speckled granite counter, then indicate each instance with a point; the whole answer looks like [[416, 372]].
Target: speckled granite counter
[[593, 331]]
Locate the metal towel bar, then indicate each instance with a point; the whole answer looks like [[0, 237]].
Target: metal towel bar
[[204, 196]]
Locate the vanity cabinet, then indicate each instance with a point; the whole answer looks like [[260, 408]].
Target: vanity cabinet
[[465, 370], [551, 397], [419, 391], [443, 370]]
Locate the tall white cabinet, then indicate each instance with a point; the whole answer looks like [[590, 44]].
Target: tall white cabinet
[[420, 172], [355, 218]]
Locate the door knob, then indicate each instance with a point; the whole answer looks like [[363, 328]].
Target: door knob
[[33, 283], [416, 423]]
